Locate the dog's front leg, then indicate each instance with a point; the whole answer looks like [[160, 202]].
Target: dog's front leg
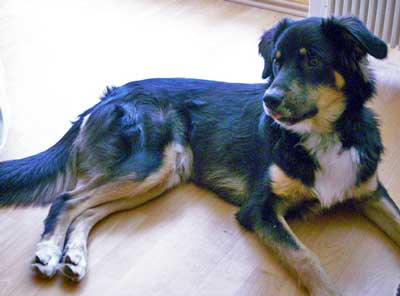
[[274, 231], [383, 211]]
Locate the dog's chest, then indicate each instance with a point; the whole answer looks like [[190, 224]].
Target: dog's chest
[[338, 168]]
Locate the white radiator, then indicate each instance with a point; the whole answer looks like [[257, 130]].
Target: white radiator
[[381, 16]]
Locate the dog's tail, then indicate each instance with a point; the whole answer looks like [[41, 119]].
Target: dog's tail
[[38, 179]]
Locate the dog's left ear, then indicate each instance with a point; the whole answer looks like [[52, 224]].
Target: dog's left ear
[[267, 43], [351, 35]]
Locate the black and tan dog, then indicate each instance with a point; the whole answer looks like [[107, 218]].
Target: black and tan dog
[[302, 142]]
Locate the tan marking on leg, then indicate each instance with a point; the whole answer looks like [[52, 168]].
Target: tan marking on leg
[[85, 184], [383, 211], [175, 169], [278, 54], [301, 262], [287, 187], [366, 188]]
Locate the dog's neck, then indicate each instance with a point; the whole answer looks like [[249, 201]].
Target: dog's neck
[[320, 142]]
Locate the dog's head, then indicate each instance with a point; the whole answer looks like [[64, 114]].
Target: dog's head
[[317, 69]]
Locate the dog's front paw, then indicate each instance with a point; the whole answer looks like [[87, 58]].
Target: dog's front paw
[[245, 217]]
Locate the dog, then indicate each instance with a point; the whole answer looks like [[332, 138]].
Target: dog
[[298, 144]]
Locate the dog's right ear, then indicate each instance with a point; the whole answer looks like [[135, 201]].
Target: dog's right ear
[[267, 42]]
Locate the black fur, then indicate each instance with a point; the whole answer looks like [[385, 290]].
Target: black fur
[[56, 208], [20, 178]]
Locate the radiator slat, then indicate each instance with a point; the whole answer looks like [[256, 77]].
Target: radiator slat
[[363, 10], [371, 15], [387, 25], [380, 16], [394, 38], [355, 7], [331, 7], [338, 7], [346, 7]]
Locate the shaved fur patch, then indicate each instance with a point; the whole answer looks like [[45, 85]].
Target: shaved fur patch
[[85, 119]]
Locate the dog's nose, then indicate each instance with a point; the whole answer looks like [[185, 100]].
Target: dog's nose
[[273, 100]]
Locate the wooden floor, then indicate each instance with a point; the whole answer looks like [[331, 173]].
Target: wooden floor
[[59, 55]]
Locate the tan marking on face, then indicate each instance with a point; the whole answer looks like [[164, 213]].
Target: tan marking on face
[[278, 54], [366, 188], [288, 187], [303, 51], [339, 80], [330, 103]]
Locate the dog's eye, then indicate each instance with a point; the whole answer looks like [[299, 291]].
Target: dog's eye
[[313, 61]]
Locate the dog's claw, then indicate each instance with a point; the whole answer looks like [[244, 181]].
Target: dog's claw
[[42, 259], [69, 273], [44, 271], [73, 259], [74, 273], [74, 264]]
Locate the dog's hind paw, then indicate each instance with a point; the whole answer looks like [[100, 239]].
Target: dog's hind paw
[[74, 265], [74, 273], [46, 260]]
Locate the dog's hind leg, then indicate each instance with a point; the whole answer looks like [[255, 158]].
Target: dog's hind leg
[[75, 257], [383, 211], [49, 249], [125, 148], [174, 169]]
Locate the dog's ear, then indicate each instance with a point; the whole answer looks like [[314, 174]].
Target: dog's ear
[[351, 35], [267, 43]]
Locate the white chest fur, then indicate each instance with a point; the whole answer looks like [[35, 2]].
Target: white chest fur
[[338, 169]]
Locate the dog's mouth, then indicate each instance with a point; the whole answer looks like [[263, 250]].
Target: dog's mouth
[[289, 120]]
